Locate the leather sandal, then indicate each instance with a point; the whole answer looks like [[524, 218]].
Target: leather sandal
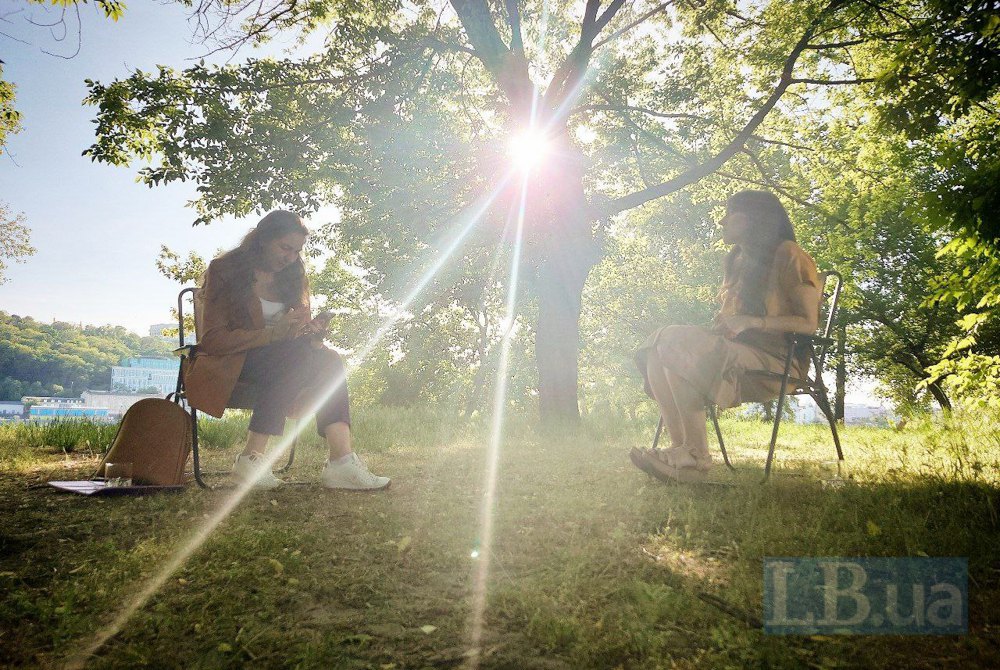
[[640, 457], [695, 470]]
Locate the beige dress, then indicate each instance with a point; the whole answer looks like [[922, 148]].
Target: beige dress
[[716, 365]]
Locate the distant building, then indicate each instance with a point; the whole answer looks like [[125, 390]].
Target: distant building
[[143, 373], [44, 409], [116, 403], [49, 400], [854, 414], [156, 330], [10, 410], [91, 405]]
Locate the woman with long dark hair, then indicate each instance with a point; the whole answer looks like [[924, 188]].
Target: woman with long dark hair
[[770, 287], [255, 332]]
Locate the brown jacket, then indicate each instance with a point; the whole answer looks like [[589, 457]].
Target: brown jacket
[[209, 377]]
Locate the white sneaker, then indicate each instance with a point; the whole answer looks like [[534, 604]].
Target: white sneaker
[[254, 468], [352, 475]]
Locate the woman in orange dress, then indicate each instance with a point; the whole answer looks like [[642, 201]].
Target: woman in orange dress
[[770, 287]]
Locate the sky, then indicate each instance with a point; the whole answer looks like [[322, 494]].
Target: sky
[[97, 232]]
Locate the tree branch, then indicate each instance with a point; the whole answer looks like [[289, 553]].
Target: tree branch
[[779, 143], [679, 115], [590, 14], [606, 17], [509, 70], [639, 21], [836, 45], [514, 21], [263, 21], [715, 162], [644, 110], [79, 36], [661, 144], [834, 82], [570, 74], [709, 28]]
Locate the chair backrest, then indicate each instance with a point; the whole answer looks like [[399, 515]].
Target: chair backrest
[[828, 303], [243, 394]]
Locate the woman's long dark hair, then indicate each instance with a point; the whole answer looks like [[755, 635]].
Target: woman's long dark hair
[[235, 278], [747, 265]]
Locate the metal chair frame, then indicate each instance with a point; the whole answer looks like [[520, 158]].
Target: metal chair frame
[[179, 396], [816, 346]]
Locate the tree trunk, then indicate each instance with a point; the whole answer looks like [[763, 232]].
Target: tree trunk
[[557, 348], [768, 407], [840, 394], [559, 248], [479, 383], [939, 396]]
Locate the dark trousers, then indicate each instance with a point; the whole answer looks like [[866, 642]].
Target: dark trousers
[[279, 373]]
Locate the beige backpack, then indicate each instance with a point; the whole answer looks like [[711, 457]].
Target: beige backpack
[[155, 437]]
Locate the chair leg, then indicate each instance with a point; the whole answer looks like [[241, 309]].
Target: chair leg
[[291, 458], [823, 400], [777, 414], [659, 429], [718, 434], [194, 450], [291, 452]]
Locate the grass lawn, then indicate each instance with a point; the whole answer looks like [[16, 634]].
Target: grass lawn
[[593, 564]]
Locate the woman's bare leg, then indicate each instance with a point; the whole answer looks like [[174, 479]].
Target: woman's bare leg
[[664, 396], [691, 408], [338, 437]]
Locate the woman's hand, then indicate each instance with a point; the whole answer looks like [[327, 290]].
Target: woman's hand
[[319, 324], [291, 324], [734, 324]]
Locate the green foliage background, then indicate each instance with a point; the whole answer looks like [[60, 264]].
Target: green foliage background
[[881, 143], [63, 359]]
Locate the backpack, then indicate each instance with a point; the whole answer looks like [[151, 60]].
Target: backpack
[[155, 437]]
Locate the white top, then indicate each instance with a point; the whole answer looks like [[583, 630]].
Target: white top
[[273, 311]]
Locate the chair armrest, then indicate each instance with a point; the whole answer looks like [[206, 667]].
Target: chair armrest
[[187, 351]]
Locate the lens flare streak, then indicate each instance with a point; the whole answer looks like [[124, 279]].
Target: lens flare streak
[[483, 552], [198, 538], [202, 533]]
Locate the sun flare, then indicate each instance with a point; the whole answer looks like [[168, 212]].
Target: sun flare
[[528, 149]]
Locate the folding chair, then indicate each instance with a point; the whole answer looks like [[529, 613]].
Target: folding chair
[[815, 347], [242, 398]]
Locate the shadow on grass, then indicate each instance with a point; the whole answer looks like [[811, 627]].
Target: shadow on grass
[[594, 564]]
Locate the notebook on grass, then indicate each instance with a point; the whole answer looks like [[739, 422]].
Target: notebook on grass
[[99, 487]]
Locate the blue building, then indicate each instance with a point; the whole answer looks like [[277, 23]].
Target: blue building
[[51, 411]]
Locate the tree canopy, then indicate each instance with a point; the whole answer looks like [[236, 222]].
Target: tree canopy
[[14, 240], [403, 121]]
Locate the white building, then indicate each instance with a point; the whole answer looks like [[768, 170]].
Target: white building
[[144, 373], [117, 403], [854, 413]]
